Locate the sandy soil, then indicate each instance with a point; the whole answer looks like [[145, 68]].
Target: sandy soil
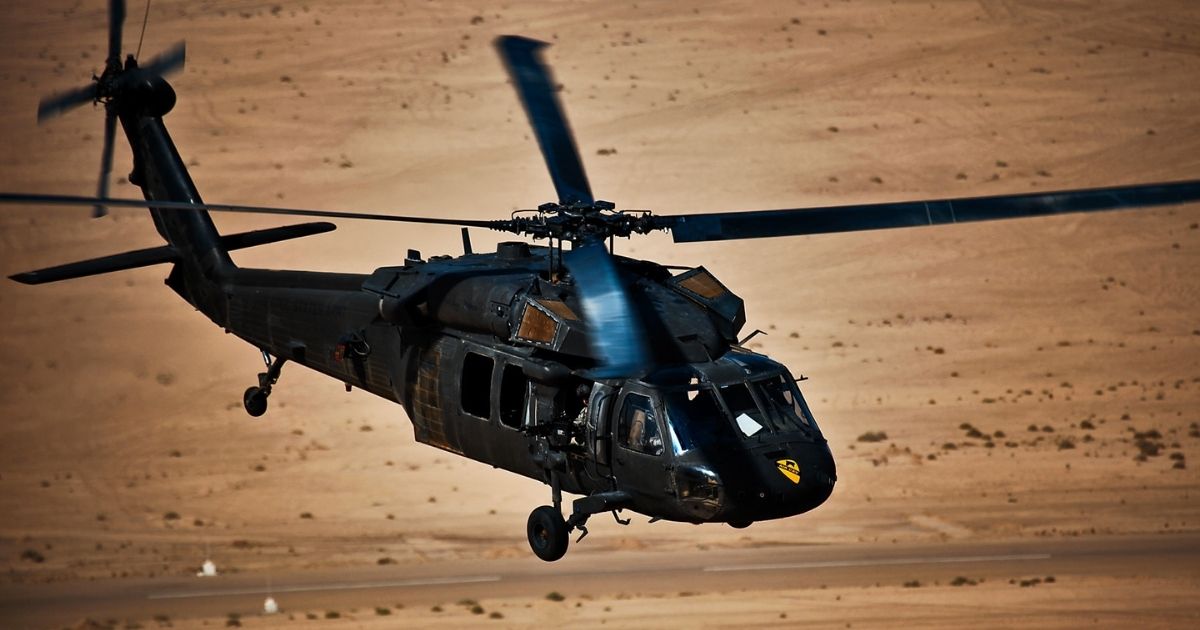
[[1091, 601], [1020, 370]]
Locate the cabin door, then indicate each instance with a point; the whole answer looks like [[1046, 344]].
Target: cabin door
[[599, 428], [639, 456]]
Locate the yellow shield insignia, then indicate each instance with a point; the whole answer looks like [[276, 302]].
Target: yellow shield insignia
[[790, 469]]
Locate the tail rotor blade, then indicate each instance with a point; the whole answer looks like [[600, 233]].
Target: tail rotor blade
[[168, 61], [110, 131], [116, 22], [617, 335], [58, 104], [539, 95]]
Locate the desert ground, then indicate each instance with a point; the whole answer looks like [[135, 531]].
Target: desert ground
[[1037, 382]]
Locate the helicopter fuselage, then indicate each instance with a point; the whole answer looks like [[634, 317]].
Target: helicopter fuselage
[[492, 359], [489, 358]]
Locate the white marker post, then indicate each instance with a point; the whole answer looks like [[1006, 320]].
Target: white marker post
[[208, 569], [269, 606]]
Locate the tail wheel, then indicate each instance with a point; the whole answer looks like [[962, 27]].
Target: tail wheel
[[547, 533]]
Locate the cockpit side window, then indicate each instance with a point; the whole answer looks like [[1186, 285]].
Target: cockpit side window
[[637, 428], [694, 417]]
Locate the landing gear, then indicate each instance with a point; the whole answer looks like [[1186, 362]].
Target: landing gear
[[547, 533], [255, 401], [255, 398]]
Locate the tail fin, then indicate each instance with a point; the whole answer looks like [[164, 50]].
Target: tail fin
[[138, 96]]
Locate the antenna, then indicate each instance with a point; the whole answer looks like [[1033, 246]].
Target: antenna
[[757, 331], [145, 19], [466, 238]]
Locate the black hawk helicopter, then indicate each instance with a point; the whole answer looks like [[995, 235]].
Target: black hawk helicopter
[[603, 376]]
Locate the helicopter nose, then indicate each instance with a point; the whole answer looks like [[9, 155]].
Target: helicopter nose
[[823, 469], [783, 480], [817, 473]]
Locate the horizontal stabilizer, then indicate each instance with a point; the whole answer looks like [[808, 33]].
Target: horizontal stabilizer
[[96, 266], [274, 235], [166, 254]]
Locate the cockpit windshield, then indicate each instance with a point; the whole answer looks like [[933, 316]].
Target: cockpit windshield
[[768, 406], [762, 407], [784, 405], [750, 420]]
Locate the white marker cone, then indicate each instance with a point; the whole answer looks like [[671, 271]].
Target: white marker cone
[[270, 607], [208, 569]]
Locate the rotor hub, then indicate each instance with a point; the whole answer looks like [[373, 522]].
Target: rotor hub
[[579, 222]]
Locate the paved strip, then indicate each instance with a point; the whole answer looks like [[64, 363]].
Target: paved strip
[[312, 588], [309, 588], [877, 563]]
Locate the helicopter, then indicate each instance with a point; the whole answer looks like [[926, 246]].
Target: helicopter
[[623, 381]]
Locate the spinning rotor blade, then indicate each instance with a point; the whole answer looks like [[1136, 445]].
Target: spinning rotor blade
[[691, 228], [110, 131], [72, 200], [539, 96], [168, 61], [116, 22], [617, 335], [59, 104]]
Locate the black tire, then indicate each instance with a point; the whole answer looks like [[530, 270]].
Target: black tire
[[740, 524], [255, 401], [547, 533]]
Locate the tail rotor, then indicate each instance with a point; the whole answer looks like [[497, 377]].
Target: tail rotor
[[106, 158], [59, 104], [117, 80], [116, 24]]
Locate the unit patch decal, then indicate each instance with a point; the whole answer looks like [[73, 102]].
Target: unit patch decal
[[790, 469]]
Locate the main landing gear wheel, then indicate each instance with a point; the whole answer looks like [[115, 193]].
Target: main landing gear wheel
[[255, 401], [547, 533]]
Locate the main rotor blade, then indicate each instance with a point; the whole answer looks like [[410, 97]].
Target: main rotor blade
[[116, 23], [72, 200], [170, 60], [691, 228], [58, 104], [539, 96], [106, 157], [617, 335]]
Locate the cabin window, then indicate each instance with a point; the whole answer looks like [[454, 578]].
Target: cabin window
[[513, 387], [638, 426], [477, 385]]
